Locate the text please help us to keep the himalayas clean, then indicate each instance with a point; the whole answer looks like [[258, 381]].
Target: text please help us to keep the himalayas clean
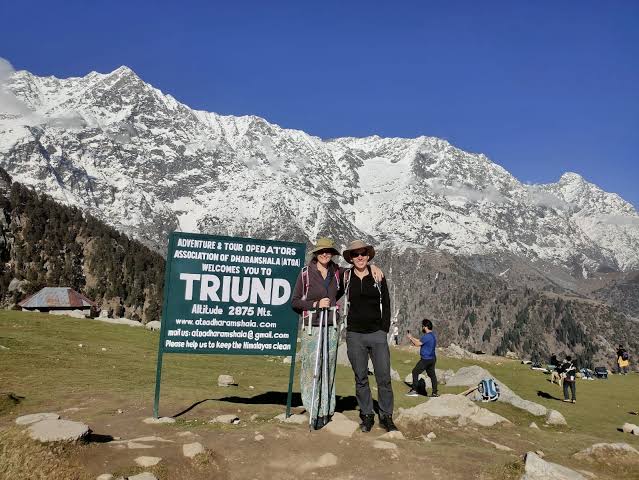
[[230, 295]]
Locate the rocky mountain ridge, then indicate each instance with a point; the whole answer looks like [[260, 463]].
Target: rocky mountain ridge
[[147, 164]]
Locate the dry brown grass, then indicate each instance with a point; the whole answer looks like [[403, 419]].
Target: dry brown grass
[[24, 459]]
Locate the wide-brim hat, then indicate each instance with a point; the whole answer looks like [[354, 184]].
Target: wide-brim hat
[[358, 245], [324, 243]]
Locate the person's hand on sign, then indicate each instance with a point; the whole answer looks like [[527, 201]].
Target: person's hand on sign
[[323, 303]]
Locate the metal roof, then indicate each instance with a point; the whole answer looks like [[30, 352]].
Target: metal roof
[[56, 297]]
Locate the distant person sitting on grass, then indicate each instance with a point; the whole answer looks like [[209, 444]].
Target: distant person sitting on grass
[[554, 374], [427, 344], [568, 373]]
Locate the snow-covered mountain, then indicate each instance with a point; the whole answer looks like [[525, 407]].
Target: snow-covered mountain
[[147, 164]]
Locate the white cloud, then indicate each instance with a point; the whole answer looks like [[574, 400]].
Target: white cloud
[[9, 103], [456, 189], [543, 198]]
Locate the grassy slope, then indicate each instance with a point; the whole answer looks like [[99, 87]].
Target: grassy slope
[[45, 365]]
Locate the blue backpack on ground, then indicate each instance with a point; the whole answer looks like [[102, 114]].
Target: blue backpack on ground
[[488, 389]]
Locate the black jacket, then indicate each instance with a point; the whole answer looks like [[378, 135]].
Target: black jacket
[[364, 296]]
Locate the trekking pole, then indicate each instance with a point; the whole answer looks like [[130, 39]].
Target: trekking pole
[[316, 370], [325, 385]]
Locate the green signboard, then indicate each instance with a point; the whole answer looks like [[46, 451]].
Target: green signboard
[[229, 295]]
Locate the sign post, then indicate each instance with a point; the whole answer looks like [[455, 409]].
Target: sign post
[[229, 295]]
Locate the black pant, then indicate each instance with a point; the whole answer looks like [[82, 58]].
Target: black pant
[[573, 390], [429, 366], [359, 347]]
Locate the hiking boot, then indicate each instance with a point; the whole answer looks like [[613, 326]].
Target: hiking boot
[[434, 394], [367, 422], [412, 393], [386, 421]]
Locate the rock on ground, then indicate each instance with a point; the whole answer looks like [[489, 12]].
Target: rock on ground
[[143, 476], [455, 351], [455, 406], [147, 461], [230, 419], [326, 460], [555, 418], [190, 450], [36, 417], [153, 325], [609, 453], [343, 428], [538, 469], [630, 428], [259, 437], [533, 425], [382, 445], [153, 420], [105, 476], [471, 376], [498, 446], [225, 381], [296, 418], [58, 431], [394, 435]]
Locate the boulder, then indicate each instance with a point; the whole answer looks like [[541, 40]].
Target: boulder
[[471, 376], [225, 381], [58, 431], [512, 355], [533, 425], [630, 428], [190, 450], [153, 325], [609, 453], [455, 351], [296, 418], [147, 461], [454, 406], [36, 417], [538, 469], [343, 428], [228, 419], [555, 418]]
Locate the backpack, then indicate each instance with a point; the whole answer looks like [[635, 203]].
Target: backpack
[[488, 389], [625, 355]]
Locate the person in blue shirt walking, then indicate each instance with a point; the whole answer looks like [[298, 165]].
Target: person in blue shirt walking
[[427, 344]]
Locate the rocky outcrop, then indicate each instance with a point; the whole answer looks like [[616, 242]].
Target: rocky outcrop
[[452, 406]]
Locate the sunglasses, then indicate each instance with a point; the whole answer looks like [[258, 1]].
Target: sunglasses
[[325, 252], [361, 253]]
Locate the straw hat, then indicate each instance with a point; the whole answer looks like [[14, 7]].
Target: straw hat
[[358, 245], [324, 243]]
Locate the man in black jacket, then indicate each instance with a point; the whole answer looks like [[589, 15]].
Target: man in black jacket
[[368, 311]]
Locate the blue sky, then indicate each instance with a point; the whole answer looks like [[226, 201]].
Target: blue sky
[[540, 87]]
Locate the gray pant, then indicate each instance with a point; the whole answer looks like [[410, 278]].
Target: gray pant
[[359, 347]]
